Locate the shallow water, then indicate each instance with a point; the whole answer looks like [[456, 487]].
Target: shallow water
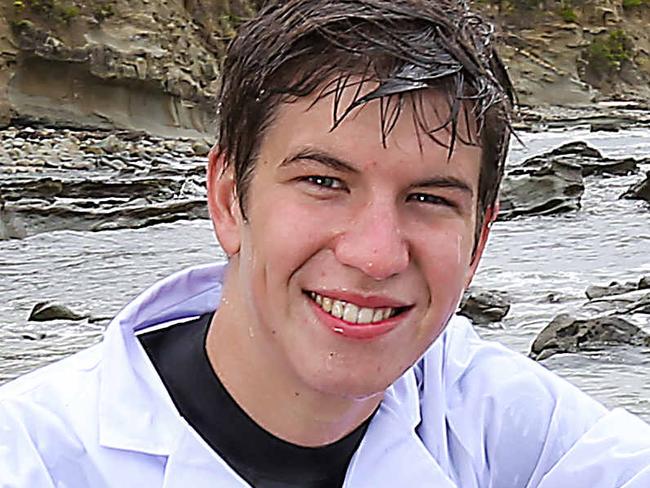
[[609, 239]]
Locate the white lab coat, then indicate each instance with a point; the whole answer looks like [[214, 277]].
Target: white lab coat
[[470, 414]]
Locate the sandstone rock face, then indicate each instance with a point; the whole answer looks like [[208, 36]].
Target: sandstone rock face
[[153, 64], [546, 53], [144, 65]]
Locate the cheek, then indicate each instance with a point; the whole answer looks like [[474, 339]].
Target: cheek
[[445, 252], [283, 236]]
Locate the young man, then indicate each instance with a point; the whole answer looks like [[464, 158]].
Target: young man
[[353, 185]]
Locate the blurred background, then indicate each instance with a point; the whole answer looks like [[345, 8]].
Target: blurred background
[[106, 117]]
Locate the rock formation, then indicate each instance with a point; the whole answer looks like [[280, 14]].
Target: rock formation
[[551, 187], [89, 180], [601, 322], [552, 182]]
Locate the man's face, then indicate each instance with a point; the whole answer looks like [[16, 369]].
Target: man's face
[[354, 255]]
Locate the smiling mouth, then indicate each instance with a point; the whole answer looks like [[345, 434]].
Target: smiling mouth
[[353, 314]]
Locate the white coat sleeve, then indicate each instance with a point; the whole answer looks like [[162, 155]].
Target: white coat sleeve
[[21, 464], [614, 453]]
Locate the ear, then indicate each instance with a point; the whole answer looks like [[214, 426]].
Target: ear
[[222, 202], [490, 216]]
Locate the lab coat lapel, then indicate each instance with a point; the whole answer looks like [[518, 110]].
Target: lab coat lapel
[[391, 453], [194, 464]]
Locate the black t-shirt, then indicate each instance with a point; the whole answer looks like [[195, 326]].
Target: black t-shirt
[[263, 460]]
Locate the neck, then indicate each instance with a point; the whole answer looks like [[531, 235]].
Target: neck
[[264, 386]]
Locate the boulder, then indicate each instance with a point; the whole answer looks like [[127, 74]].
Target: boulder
[[567, 334], [46, 311], [640, 190], [484, 306]]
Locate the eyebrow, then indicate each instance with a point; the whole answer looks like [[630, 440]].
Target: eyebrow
[[338, 164], [445, 182], [322, 158]]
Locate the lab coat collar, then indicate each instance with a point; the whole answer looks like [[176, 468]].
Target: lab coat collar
[[391, 453], [135, 410]]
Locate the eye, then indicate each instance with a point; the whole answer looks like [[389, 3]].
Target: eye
[[324, 182], [430, 199]]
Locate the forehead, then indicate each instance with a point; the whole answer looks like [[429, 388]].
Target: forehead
[[415, 127]]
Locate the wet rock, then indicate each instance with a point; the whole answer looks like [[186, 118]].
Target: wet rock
[[46, 311], [605, 126], [33, 336], [614, 288], [640, 190], [635, 301], [551, 187], [552, 182], [484, 306], [588, 158], [567, 334], [644, 283]]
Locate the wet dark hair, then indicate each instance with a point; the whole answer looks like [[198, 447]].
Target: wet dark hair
[[296, 48]]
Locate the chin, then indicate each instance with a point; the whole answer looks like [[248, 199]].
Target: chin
[[340, 382]]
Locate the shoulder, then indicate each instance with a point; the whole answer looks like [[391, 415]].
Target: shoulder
[[47, 416], [57, 381], [496, 402]]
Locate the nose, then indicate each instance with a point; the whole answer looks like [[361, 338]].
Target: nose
[[373, 242]]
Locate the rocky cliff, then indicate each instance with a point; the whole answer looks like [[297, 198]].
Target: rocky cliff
[[137, 64], [153, 64], [573, 52]]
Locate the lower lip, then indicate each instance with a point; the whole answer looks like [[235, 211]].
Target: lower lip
[[356, 331]]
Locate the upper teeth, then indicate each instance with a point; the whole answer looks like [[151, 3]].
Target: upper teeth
[[350, 312]]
